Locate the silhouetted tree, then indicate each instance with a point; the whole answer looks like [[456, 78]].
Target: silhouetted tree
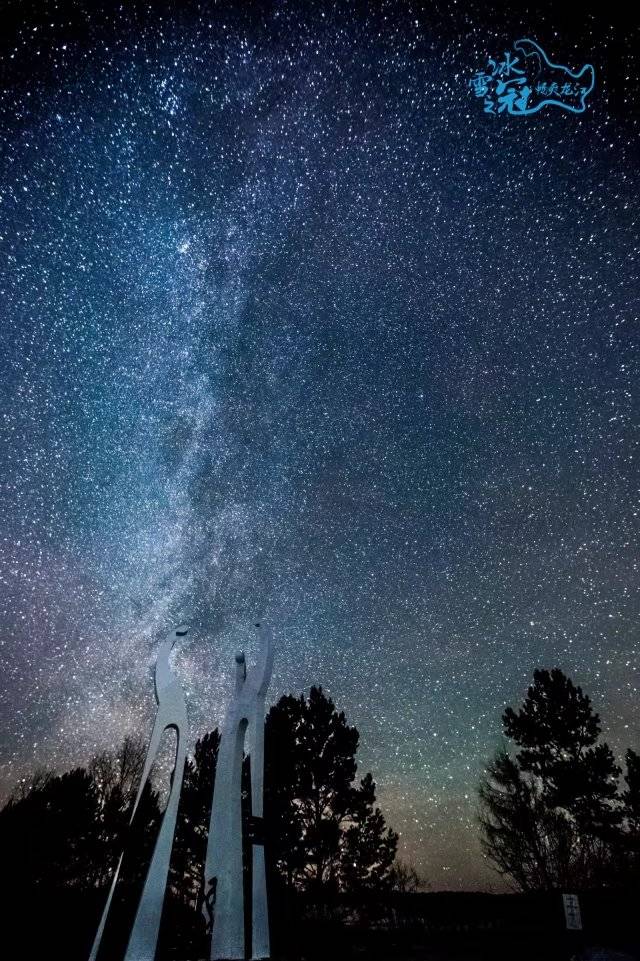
[[283, 817], [183, 928], [631, 797], [48, 834], [60, 837], [527, 841], [550, 815], [116, 777], [190, 844], [367, 850], [324, 832], [630, 835], [404, 878], [67, 829]]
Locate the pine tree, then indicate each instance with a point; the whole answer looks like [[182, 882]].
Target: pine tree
[[528, 842], [631, 797], [367, 850], [630, 837], [190, 844], [551, 816], [324, 831]]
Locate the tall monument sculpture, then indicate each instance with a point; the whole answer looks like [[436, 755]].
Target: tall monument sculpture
[[224, 895], [171, 714]]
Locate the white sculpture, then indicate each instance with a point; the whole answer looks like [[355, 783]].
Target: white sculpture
[[224, 896], [171, 713]]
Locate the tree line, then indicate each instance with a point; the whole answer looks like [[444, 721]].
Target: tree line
[[61, 834], [554, 813]]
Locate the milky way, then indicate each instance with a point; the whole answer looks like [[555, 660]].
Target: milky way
[[292, 329]]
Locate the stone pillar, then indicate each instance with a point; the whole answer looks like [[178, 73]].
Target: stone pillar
[[223, 865], [172, 713], [260, 914]]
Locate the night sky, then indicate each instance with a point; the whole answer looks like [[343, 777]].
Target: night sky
[[291, 329]]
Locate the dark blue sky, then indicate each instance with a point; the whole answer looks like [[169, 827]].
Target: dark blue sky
[[292, 328]]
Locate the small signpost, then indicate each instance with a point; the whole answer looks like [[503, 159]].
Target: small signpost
[[572, 915]]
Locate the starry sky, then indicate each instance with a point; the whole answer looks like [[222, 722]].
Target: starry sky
[[291, 328]]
